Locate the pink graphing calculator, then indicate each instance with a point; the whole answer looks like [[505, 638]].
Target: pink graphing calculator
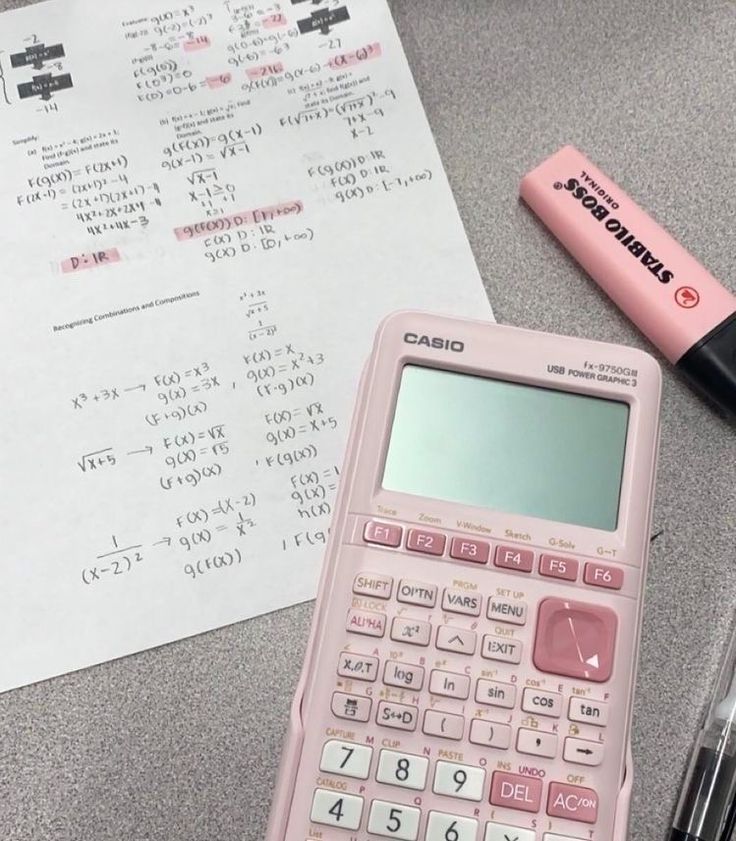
[[473, 654]]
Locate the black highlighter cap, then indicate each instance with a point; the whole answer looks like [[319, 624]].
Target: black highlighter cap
[[677, 835], [711, 365]]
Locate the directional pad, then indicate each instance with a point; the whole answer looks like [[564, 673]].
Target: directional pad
[[575, 639]]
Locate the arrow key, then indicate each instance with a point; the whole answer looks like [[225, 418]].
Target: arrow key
[[583, 753]]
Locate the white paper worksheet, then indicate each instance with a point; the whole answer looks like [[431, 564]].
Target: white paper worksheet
[[206, 207]]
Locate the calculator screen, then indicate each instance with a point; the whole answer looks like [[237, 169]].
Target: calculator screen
[[506, 446]]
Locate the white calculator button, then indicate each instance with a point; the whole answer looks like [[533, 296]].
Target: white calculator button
[[460, 601], [501, 648], [449, 684], [336, 809], [589, 712], [443, 827], [402, 769], [404, 675], [457, 640], [357, 666], [495, 694], [398, 716], [444, 725], [463, 781], [542, 703], [366, 622], [346, 759], [371, 584], [352, 707], [415, 592], [506, 610], [412, 631], [582, 752], [392, 820], [490, 734], [504, 832], [536, 743]]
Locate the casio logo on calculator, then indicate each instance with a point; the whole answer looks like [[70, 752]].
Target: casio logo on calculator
[[435, 342]]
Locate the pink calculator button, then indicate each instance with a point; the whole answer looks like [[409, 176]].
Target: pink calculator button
[[467, 549], [509, 557], [601, 575], [554, 567], [385, 534], [430, 542], [572, 802], [516, 792], [575, 639]]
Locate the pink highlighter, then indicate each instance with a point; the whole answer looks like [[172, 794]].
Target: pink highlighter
[[670, 297]]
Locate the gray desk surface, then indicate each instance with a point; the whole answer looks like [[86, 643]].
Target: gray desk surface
[[182, 743]]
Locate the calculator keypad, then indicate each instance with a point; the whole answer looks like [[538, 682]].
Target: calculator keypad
[[429, 667]]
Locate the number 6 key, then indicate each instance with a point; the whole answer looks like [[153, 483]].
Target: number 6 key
[[443, 827]]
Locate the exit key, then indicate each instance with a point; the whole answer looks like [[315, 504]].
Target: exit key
[[516, 792]]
